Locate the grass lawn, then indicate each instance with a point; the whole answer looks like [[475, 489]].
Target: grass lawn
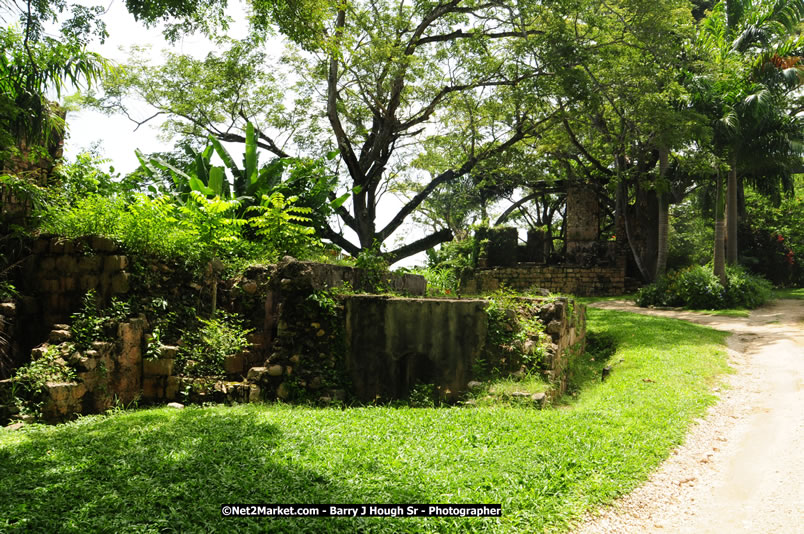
[[728, 312], [789, 293], [166, 470]]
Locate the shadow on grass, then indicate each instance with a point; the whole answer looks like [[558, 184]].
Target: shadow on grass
[[149, 471], [588, 367], [789, 293]]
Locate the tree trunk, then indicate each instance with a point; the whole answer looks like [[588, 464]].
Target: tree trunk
[[664, 216], [719, 259], [623, 201], [731, 215]]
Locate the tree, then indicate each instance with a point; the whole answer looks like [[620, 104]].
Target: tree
[[624, 119], [385, 75], [751, 45], [30, 67]]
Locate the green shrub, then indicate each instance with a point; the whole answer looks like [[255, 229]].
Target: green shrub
[[446, 265], [92, 323], [698, 288], [745, 289], [205, 348], [30, 379]]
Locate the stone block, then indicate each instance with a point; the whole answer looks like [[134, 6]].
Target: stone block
[[67, 284], [153, 387], [104, 284], [172, 387], [275, 370], [283, 391], [49, 286], [157, 367], [115, 263], [103, 244], [254, 393], [87, 282], [256, 374], [56, 246], [90, 264], [47, 264], [66, 265], [234, 364], [53, 301], [63, 399], [41, 246], [59, 336], [120, 283], [130, 335], [249, 287], [168, 351]]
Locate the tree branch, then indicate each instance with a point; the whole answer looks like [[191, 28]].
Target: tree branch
[[344, 214], [418, 246], [338, 239], [345, 147], [594, 161], [460, 34], [413, 203], [513, 207]]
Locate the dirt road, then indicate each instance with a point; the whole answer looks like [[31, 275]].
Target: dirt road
[[741, 468]]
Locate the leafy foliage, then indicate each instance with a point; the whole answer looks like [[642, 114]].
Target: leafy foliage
[[699, 288], [375, 269], [516, 339], [93, 323], [50, 367], [773, 239], [31, 65], [203, 350], [282, 225]]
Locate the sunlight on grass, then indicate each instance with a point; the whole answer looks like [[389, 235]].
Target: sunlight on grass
[[731, 312], [797, 294], [170, 470]]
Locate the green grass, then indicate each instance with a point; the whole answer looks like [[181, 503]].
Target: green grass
[[630, 298], [589, 300], [170, 470], [797, 294], [506, 391], [728, 312]]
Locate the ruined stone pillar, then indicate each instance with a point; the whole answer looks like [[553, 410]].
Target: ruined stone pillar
[[583, 218]]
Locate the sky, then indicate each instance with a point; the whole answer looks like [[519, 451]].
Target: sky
[[118, 136]]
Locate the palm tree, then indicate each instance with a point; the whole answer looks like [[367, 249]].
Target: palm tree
[[750, 44]]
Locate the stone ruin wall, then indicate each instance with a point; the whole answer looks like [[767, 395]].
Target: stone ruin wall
[[295, 351], [591, 267], [581, 281]]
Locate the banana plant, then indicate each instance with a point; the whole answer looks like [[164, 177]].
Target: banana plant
[[307, 179]]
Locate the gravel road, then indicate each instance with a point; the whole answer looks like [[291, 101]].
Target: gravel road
[[741, 468]]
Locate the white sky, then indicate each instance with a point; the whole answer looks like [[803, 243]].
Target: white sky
[[117, 136]]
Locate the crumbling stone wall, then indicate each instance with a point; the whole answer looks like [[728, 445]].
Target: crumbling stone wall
[[309, 341], [10, 354], [565, 323], [581, 281], [60, 271], [108, 372]]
